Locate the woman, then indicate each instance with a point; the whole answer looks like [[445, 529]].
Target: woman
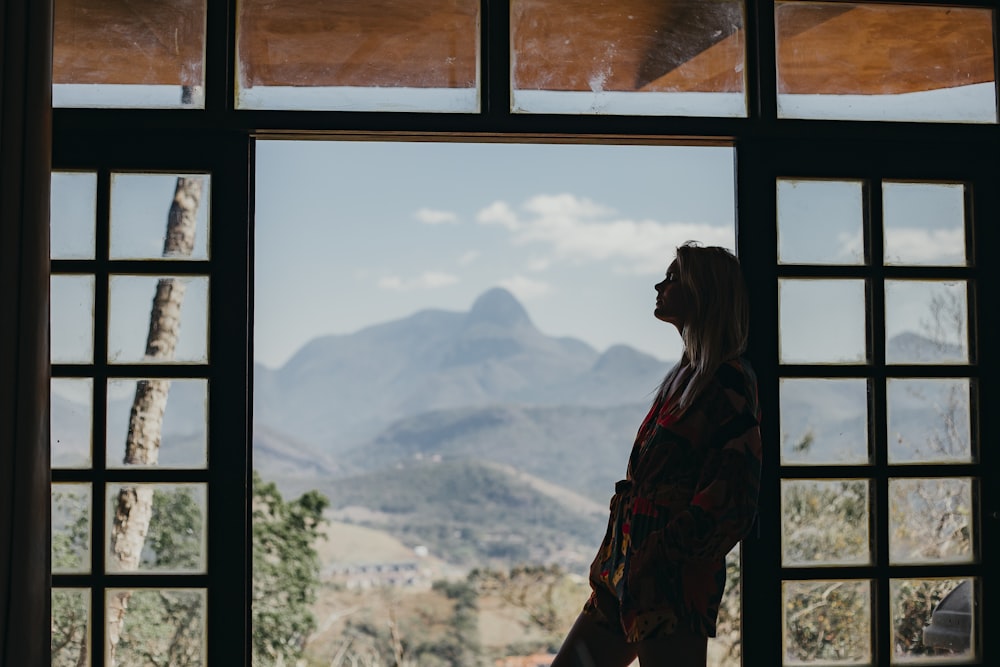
[[690, 492]]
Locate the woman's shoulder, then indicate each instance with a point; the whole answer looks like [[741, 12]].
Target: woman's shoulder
[[736, 385]]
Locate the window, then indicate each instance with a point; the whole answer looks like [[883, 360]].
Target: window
[[860, 213]]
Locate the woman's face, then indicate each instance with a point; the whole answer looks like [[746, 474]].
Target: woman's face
[[672, 302]]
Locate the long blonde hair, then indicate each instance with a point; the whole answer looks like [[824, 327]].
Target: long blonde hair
[[718, 322]]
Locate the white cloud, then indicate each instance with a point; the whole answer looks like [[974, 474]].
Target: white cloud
[[923, 246], [526, 288], [426, 280], [579, 230], [499, 213], [468, 257], [430, 216]]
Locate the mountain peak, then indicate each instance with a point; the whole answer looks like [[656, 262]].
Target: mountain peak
[[498, 306]]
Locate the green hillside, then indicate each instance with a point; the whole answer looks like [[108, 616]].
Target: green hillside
[[472, 514]]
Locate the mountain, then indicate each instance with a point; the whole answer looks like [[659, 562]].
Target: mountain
[[581, 448], [340, 391], [473, 514]]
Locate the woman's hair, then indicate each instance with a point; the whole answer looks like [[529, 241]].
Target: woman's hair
[[718, 320]]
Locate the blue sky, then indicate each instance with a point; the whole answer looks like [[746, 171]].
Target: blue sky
[[354, 233]]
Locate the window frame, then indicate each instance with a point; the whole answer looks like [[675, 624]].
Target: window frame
[[221, 139]]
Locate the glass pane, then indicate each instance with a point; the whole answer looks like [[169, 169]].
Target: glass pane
[[159, 216], [933, 620], [71, 505], [822, 321], [926, 322], [156, 528], [470, 369], [118, 54], [73, 211], [824, 522], [929, 420], [930, 520], [70, 627], [827, 622], [168, 624], [820, 222], [824, 421], [72, 319], [70, 432], [157, 422], [640, 57], [357, 55], [158, 320], [885, 62], [924, 223]]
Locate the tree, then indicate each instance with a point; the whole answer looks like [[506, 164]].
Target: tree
[[285, 571], [134, 508]]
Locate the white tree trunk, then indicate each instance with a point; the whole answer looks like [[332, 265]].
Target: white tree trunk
[[134, 507]]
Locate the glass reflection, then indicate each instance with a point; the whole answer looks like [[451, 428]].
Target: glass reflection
[[929, 420], [158, 319], [155, 528], [160, 216], [854, 61], [824, 522], [637, 57], [824, 421], [71, 404], [820, 222], [72, 319], [827, 622], [822, 321], [924, 223], [930, 520], [170, 415], [926, 322], [72, 218], [934, 621]]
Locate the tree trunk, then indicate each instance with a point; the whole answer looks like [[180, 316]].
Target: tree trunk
[[134, 506]]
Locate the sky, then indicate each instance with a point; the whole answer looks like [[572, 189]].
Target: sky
[[350, 234]]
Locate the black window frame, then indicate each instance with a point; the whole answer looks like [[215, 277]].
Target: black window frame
[[221, 139]]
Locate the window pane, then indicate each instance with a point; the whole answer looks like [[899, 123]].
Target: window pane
[[168, 624], [827, 622], [820, 222], [71, 403], [156, 528], [160, 421], [71, 504], [71, 630], [885, 62], [73, 210], [461, 406], [158, 320], [118, 54], [929, 420], [358, 55], [933, 620], [72, 319], [640, 57], [930, 520], [924, 223], [159, 216], [926, 322], [822, 321], [824, 421], [824, 522]]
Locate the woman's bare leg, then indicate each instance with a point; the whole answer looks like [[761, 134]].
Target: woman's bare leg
[[589, 644], [674, 651]]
